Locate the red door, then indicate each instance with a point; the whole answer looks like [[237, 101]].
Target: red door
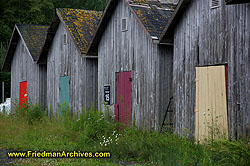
[[123, 97], [23, 93]]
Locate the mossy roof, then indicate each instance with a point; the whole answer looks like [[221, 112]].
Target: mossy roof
[[81, 24], [34, 37]]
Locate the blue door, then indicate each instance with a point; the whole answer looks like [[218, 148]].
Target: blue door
[[64, 93]]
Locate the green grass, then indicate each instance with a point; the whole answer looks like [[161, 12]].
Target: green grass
[[92, 131]]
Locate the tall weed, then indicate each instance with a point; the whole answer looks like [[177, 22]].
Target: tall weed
[[29, 112]]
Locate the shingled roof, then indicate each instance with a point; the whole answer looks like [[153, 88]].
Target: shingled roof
[[167, 34], [152, 15], [81, 25], [33, 37]]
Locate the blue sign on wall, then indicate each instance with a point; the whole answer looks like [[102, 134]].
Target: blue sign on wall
[[107, 95]]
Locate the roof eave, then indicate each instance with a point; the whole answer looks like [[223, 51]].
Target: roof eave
[[16, 35], [42, 59], [140, 22], [11, 48], [25, 44], [232, 2], [167, 34], [93, 45], [89, 57]]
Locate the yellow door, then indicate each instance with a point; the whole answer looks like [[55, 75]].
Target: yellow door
[[211, 103]]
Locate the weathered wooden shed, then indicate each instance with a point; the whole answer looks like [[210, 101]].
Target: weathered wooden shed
[[28, 79], [72, 76], [134, 72], [211, 67]]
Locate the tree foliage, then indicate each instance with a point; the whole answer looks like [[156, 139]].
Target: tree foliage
[[34, 12], [37, 12]]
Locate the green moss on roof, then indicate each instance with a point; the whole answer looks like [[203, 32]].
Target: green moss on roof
[[82, 25], [34, 37]]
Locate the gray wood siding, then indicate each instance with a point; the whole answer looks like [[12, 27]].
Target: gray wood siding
[[206, 36], [23, 68], [66, 60], [151, 72]]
